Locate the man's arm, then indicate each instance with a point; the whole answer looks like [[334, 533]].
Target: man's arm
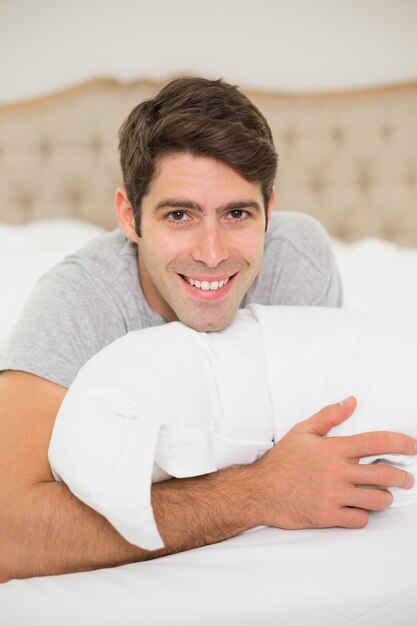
[[45, 530], [304, 481]]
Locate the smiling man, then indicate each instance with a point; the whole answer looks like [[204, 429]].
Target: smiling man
[[202, 240], [196, 242]]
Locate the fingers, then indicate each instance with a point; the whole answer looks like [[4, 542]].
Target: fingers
[[356, 446], [361, 501], [317, 481], [376, 443], [370, 499], [352, 518], [381, 476], [328, 417], [363, 497]]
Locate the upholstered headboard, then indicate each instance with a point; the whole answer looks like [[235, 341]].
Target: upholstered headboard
[[350, 159]]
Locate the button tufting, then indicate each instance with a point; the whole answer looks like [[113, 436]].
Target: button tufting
[[25, 202], [386, 132], [317, 184], [364, 180], [341, 232], [338, 134], [96, 145], [289, 136], [387, 232], [364, 183], [410, 180], [74, 198], [45, 148]]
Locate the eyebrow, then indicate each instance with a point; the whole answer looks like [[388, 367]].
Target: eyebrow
[[177, 203]]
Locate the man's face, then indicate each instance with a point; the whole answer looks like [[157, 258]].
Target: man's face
[[202, 240]]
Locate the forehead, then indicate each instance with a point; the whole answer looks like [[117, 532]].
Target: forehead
[[199, 177]]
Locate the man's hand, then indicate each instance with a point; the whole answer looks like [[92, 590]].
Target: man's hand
[[311, 481]]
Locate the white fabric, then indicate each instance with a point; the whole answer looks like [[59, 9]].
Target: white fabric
[[268, 576], [26, 252], [169, 401], [166, 393], [378, 276]]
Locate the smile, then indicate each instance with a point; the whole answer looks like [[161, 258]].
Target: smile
[[205, 285]]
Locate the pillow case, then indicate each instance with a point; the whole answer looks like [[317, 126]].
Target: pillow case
[[169, 401]]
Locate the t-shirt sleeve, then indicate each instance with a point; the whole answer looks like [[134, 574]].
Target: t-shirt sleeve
[[299, 266], [67, 318]]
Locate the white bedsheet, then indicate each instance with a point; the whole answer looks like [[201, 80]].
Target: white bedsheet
[[378, 276], [26, 252], [333, 577]]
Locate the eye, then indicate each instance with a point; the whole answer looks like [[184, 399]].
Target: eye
[[238, 215], [177, 216]]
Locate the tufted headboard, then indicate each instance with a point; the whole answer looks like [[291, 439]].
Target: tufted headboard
[[349, 159]]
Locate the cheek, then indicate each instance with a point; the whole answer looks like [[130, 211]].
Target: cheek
[[162, 248], [251, 247]]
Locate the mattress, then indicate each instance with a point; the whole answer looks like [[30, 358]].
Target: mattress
[[331, 577]]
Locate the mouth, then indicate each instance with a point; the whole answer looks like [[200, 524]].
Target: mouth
[[206, 285], [208, 288]]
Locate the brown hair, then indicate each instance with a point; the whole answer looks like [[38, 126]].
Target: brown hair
[[205, 117]]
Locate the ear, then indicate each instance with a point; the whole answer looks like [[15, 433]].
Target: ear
[[271, 204], [125, 215]]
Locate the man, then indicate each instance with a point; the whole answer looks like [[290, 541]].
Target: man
[[198, 163]]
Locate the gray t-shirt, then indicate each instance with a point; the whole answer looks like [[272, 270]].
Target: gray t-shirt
[[93, 296]]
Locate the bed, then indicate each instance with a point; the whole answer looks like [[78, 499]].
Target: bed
[[350, 160]]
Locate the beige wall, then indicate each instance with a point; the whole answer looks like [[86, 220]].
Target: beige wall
[[279, 44]]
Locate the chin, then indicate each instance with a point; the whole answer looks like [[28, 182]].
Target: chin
[[210, 325]]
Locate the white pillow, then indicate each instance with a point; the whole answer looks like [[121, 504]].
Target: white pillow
[[378, 276], [169, 401], [26, 252]]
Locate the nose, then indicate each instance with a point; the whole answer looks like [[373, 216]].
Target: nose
[[210, 246]]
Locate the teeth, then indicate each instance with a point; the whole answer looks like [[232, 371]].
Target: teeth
[[205, 285]]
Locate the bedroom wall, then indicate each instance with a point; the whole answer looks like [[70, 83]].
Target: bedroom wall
[[300, 45]]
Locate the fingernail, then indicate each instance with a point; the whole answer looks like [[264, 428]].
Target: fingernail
[[346, 401], [411, 481], [415, 445]]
